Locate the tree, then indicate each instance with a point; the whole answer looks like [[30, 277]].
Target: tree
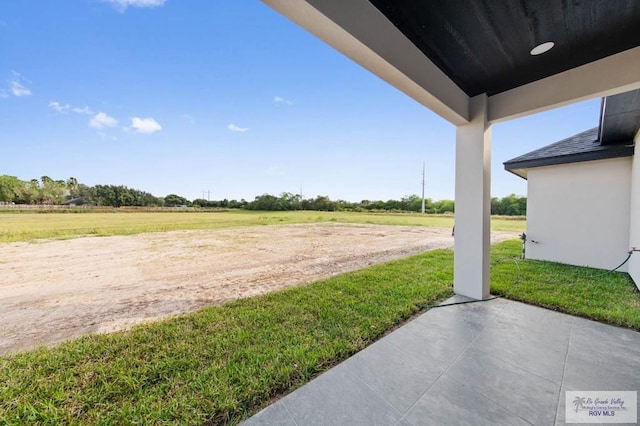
[[200, 202], [511, 205], [32, 192], [444, 206], [11, 188], [87, 193], [265, 202], [235, 204], [324, 203], [289, 201], [72, 186], [173, 200]]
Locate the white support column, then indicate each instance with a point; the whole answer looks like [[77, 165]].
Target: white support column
[[473, 203]]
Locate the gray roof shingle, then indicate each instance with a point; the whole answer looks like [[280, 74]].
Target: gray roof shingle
[[619, 122], [584, 146]]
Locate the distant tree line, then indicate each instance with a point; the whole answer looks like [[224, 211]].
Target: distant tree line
[[55, 192], [289, 201], [48, 191], [511, 205]]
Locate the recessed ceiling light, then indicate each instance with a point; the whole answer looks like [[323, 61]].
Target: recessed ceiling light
[[542, 48]]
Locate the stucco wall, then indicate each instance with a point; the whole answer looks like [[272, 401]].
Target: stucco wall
[[634, 223], [579, 213]]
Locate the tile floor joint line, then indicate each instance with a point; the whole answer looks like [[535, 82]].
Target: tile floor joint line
[[520, 367], [447, 369], [289, 412], [533, 372], [497, 403], [506, 362], [564, 369], [403, 418], [404, 351], [371, 389]]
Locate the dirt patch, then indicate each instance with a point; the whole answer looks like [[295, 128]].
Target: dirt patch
[[55, 290]]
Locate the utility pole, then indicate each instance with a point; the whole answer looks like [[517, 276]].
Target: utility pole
[[208, 195], [423, 179]]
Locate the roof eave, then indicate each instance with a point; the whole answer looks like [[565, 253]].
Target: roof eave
[[522, 173], [617, 152]]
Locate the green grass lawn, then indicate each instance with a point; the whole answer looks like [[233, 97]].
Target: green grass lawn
[[33, 225], [586, 292], [223, 363]]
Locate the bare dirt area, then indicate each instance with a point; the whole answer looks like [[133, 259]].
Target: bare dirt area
[[51, 291]]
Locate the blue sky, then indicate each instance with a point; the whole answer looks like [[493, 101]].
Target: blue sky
[[175, 96]]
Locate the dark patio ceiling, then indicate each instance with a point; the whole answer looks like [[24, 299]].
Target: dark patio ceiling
[[484, 45]]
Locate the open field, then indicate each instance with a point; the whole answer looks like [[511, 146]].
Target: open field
[[221, 364], [29, 226], [55, 290]]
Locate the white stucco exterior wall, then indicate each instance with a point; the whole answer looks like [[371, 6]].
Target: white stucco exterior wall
[[634, 214], [579, 213]]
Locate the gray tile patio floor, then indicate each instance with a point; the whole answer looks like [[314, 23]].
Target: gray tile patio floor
[[490, 363]]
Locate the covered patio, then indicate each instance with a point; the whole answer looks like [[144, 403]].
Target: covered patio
[[477, 64], [496, 362], [480, 63]]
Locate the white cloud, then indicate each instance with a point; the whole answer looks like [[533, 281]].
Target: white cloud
[[65, 108], [122, 5], [235, 128], [145, 125], [17, 85], [84, 110], [57, 106], [19, 90], [102, 120], [282, 101]]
